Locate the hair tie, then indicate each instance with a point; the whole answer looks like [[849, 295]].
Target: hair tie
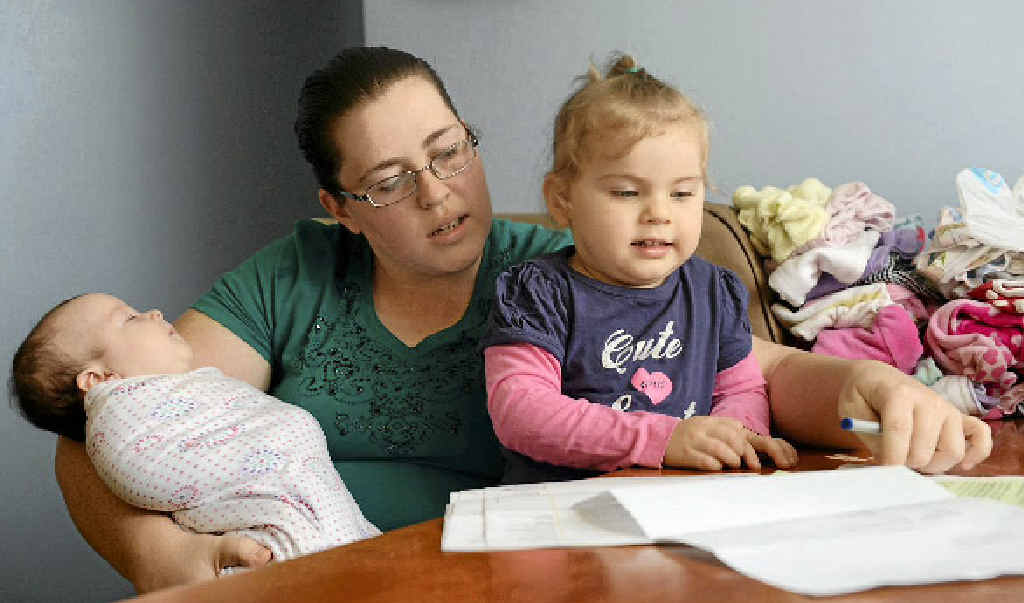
[[633, 70]]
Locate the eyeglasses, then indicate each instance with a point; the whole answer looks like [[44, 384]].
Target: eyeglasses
[[449, 163]]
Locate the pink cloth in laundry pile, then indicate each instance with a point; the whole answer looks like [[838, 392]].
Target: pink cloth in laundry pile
[[1005, 329], [892, 340], [974, 354]]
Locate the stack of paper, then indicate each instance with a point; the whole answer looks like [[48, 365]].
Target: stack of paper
[[817, 532]]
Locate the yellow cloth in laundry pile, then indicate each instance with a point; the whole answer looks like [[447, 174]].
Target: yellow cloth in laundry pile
[[779, 220]]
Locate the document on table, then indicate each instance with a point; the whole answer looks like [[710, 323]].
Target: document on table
[[530, 516], [941, 541], [817, 532], [1003, 488]]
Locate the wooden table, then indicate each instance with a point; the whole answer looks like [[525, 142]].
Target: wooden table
[[408, 565]]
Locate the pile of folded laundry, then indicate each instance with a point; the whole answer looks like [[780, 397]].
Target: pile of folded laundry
[[861, 282]]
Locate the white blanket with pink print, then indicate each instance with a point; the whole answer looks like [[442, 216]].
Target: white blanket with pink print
[[221, 456]]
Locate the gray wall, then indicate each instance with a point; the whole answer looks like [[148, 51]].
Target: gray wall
[[900, 95], [145, 147]]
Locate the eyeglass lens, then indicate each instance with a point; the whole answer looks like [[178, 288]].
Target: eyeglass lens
[[449, 163]]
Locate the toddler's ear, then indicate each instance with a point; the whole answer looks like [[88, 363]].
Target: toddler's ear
[[93, 375], [336, 208], [556, 193]]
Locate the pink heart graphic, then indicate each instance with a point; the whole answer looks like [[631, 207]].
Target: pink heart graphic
[[656, 385]]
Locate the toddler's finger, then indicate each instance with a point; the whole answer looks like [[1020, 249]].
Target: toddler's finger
[[731, 434], [776, 449], [750, 457], [722, 451], [789, 454], [703, 461]]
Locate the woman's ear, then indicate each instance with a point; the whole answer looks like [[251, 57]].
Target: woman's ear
[[556, 193], [338, 210], [92, 375]]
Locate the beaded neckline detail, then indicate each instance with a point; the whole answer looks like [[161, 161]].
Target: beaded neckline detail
[[404, 404]]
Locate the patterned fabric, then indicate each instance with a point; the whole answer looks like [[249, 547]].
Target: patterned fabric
[[971, 338], [1002, 294], [221, 456], [901, 271], [405, 426]]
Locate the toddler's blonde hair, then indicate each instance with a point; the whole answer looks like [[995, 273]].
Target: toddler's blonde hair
[[615, 110]]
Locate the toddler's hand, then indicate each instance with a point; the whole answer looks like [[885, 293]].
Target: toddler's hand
[[714, 443]]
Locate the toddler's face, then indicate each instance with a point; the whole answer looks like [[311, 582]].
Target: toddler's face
[[131, 343], [636, 218]]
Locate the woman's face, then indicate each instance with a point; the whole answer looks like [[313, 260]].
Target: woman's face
[[439, 230]]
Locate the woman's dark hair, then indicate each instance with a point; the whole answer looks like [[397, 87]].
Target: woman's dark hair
[[357, 75], [43, 383]]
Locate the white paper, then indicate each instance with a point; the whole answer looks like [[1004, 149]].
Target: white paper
[[464, 522], [952, 539], [532, 516], [670, 511], [543, 515], [815, 532]]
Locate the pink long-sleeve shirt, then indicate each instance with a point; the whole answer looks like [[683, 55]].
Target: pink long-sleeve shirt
[[532, 416]]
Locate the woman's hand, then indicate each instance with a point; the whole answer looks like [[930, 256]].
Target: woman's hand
[[808, 393], [919, 428], [189, 557], [713, 443]]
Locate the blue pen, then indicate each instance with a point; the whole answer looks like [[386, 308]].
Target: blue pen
[[860, 425]]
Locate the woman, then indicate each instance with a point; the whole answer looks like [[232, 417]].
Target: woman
[[372, 326]]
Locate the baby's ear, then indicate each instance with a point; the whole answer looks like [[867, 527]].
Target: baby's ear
[[91, 376], [556, 194], [336, 208]]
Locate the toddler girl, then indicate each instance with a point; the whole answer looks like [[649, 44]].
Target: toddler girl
[[624, 349], [215, 452]]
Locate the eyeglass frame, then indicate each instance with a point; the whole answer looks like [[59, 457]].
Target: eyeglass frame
[[367, 198]]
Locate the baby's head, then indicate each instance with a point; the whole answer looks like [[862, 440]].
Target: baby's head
[[629, 174], [84, 341]]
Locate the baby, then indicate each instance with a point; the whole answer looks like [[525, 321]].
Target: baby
[[215, 452]]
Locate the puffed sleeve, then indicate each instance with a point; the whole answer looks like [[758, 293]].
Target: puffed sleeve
[[242, 298], [531, 306], [734, 341]]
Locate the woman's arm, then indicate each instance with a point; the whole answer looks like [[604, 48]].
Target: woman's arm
[[809, 392], [147, 547], [215, 345]]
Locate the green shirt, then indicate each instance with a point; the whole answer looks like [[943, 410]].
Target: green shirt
[[405, 426]]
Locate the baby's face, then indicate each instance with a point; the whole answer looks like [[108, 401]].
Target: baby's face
[[130, 342]]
